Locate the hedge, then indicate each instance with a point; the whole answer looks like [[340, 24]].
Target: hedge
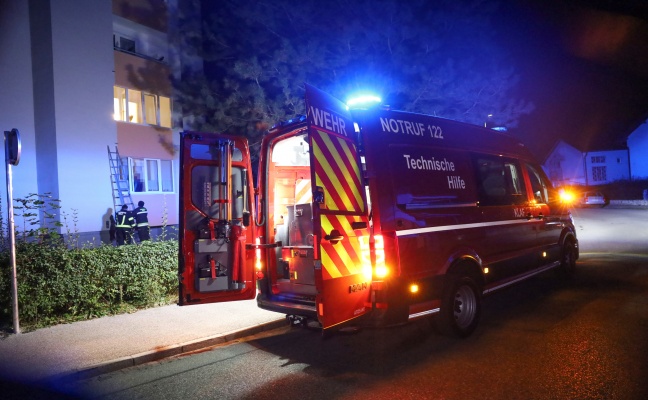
[[57, 284]]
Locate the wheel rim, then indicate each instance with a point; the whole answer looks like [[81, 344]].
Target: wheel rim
[[465, 306]]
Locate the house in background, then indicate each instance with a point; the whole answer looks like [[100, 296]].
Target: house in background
[[638, 145], [565, 165], [569, 166], [606, 166]]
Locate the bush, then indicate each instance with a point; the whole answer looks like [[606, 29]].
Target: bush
[[58, 281], [57, 284], [624, 190]]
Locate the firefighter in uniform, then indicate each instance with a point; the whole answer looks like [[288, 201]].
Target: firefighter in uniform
[[125, 224], [141, 220]]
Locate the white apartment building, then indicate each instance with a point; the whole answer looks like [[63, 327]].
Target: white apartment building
[[78, 77]]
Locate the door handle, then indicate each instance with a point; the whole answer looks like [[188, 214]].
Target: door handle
[[251, 246], [334, 237]]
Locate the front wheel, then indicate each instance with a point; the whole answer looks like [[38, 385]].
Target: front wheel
[[460, 307]]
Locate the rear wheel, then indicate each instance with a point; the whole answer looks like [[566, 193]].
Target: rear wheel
[[567, 267], [460, 307]]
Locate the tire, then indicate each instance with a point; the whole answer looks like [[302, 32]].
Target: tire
[[460, 307], [567, 268]]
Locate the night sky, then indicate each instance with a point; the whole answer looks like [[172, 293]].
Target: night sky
[[584, 64]]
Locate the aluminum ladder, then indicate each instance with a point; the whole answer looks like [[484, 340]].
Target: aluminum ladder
[[119, 179]]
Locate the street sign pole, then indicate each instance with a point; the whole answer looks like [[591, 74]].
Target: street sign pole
[[12, 157]]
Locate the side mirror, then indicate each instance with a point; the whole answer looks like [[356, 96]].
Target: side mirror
[[246, 218]]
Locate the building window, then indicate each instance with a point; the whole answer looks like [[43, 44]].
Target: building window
[[166, 175], [141, 107], [150, 109], [598, 159], [148, 175], [165, 111], [123, 43], [134, 106], [599, 174], [119, 103]]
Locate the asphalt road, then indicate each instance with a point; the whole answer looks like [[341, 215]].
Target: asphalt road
[[542, 339]]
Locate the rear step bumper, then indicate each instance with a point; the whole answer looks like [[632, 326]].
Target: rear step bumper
[[286, 306]]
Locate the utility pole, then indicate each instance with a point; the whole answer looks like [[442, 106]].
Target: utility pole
[[12, 157]]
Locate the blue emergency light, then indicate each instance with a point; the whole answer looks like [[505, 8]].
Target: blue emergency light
[[363, 101]]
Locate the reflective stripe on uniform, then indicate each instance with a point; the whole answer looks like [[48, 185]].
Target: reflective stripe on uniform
[[141, 217], [122, 220]]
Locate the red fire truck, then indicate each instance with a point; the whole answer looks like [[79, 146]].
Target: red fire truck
[[370, 216]]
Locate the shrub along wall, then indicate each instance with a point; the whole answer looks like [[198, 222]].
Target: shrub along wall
[[623, 190], [57, 284]]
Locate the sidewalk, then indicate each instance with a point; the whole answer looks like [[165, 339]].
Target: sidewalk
[[89, 348]]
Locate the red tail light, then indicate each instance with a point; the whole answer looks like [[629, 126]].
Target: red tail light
[[373, 257]]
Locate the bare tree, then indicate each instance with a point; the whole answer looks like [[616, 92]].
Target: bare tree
[[437, 57]]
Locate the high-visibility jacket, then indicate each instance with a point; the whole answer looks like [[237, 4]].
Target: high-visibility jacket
[[124, 219], [141, 216]]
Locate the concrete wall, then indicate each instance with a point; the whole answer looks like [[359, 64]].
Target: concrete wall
[[150, 13], [57, 79], [135, 72], [17, 98], [82, 65]]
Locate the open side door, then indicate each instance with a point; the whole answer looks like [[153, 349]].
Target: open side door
[[215, 214], [340, 222]]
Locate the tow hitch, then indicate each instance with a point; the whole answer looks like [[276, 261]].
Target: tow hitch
[[301, 321], [296, 320]]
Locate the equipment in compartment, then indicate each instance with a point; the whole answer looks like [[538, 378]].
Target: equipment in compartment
[[297, 262], [300, 225], [211, 263]]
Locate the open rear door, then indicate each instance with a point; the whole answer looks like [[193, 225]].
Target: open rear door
[[343, 281], [215, 209]]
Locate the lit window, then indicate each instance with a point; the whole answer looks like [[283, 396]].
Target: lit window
[[151, 175], [150, 109], [134, 106], [156, 110], [119, 104], [165, 111]]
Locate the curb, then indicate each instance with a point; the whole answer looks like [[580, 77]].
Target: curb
[[170, 351]]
